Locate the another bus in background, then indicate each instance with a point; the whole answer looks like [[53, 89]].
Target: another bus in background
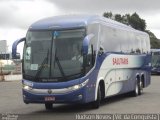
[[155, 61]]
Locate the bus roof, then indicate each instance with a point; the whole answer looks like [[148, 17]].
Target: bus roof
[[75, 21], [65, 21]]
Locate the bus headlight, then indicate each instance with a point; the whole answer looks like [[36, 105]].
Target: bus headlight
[[26, 87], [76, 87]]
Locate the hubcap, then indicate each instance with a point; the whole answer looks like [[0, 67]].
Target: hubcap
[[136, 89], [141, 86]]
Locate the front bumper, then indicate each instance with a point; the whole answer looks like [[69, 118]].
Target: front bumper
[[77, 96]]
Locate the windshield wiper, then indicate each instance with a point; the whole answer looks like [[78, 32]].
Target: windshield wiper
[[42, 66], [59, 65]]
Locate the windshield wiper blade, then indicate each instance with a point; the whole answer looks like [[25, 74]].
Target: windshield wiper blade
[[59, 65], [42, 66]]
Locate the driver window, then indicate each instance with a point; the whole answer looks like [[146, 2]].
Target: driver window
[[90, 56]]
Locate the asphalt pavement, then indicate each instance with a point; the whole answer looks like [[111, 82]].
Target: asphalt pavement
[[12, 106]]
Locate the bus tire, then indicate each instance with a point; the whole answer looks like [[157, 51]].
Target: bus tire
[[140, 90], [96, 103], [135, 93], [48, 106]]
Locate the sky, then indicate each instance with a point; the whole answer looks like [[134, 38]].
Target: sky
[[17, 15]]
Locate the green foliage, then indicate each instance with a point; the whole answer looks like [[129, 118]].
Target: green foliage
[[118, 17], [155, 43], [108, 15], [136, 22]]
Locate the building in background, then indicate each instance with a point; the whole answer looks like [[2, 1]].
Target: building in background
[[3, 46], [7, 64]]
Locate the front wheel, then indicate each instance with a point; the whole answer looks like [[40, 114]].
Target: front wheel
[[48, 106], [96, 103]]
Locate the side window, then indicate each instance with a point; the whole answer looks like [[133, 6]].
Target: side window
[[89, 56], [133, 43], [130, 43], [89, 59], [124, 41], [109, 39], [138, 47], [143, 45], [147, 44]]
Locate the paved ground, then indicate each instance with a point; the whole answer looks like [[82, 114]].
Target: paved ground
[[11, 102]]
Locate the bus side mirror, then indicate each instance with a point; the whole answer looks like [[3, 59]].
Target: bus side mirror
[[14, 48]]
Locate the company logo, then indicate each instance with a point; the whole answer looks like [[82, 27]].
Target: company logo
[[120, 61], [49, 91]]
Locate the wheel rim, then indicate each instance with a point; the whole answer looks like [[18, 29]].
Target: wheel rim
[[141, 86], [136, 89]]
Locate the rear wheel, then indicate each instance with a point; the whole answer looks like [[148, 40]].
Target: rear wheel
[[48, 106], [138, 88], [96, 103]]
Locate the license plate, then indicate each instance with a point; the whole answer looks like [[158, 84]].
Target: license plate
[[49, 98]]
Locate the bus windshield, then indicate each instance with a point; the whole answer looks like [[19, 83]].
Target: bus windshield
[[156, 59], [53, 55]]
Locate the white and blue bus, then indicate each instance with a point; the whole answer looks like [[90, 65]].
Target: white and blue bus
[[155, 61], [83, 59]]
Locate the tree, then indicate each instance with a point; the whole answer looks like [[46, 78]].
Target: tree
[[136, 22], [108, 15], [155, 43], [133, 20], [118, 18], [125, 19]]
